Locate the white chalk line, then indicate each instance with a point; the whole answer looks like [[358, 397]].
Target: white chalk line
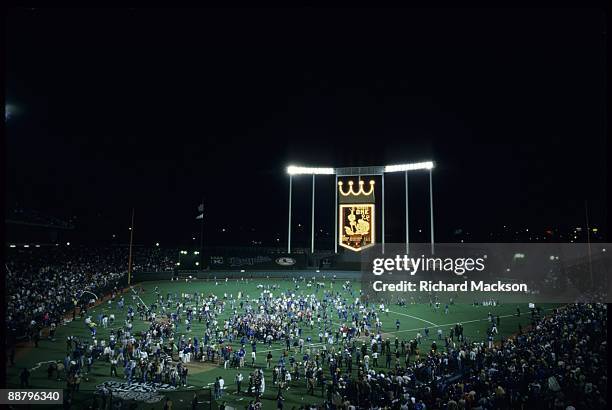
[[414, 317], [39, 364], [453, 324]]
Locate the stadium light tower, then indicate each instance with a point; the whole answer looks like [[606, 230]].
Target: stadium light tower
[[360, 171], [409, 167], [295, 170], [427, 165]]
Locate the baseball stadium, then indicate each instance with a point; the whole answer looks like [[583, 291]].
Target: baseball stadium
[[307, 208], [261, 327]]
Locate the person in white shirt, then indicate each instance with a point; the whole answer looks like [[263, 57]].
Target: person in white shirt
[[288, 379], [221, 386], [375, 359]]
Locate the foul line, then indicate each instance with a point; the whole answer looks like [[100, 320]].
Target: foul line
[[414, 317], [453, 324], [136, 294], [39, 364]]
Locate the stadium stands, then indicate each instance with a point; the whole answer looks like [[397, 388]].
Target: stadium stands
[[43, 283]]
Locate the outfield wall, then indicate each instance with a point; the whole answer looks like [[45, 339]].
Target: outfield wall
[[250, 274]]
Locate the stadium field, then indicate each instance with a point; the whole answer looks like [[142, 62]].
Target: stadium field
[[414, 318]]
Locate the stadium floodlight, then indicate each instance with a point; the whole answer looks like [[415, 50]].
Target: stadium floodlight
[[26, 246], [13, 246], [295, 170], [409, 167]]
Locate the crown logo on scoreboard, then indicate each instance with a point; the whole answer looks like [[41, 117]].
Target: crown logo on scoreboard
[[360, 192], [356, 215]]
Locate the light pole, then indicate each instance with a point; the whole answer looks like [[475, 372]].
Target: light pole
[[383, 213], [407, 224], [312, 230], [336, 217], [431, 217], [130, 256], [289, 237]]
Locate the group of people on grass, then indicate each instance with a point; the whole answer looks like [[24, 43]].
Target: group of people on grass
[[330, 345]]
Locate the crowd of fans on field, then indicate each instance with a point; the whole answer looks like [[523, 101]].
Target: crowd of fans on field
[[343, 361], [559, 362]]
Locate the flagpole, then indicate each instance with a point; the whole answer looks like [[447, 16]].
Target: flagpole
[[130, 256], [202, 237], [586, 212]]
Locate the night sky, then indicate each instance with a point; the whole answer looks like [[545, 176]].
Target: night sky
[[156, 108]]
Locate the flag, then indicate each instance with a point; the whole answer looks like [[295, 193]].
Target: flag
[[201, 216]]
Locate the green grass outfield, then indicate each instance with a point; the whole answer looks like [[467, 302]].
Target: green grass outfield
[[413, 319]]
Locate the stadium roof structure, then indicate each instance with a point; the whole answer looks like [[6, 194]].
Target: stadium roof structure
[[33, 218], [294, 170]]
